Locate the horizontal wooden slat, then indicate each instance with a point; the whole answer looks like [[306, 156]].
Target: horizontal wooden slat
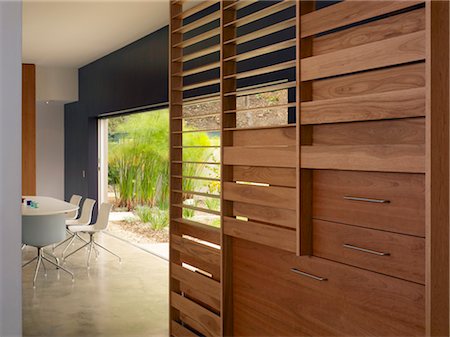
[[209, 322], [397, 131], [197, 281], [272, 196], [264, 50], [198, 38], [200, 69], [261, 89], [267, 107], [198, 23], [279, 26], [199, 297], [197, 230], [273, 215], [240, 4], [282, 156], [263, 70], [398, 50], [278, 237], [371, 82], [258, 137], [198, 178], [207, 195], [195, 9], [200, 53], [390, 27], [346, 13], [202, 265], [199, 209], [268, 175], [201, 84], [198, 250], [180, 331], [384, 158], [261, 13], [214, 114], [387, 105]]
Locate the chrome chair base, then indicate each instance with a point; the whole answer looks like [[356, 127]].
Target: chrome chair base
[[92, 245], [41, 257], [71, 238]]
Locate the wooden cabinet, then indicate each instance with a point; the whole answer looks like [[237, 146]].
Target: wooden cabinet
[[323, 298], [334, 164]]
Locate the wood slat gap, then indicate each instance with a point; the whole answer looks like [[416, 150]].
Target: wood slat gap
[[197, 8], [198, 23], [199, 209], [263, 70]]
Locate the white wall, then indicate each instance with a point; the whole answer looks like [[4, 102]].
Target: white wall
[[50, 149], [10, 169], [54, 87], [56, 84]]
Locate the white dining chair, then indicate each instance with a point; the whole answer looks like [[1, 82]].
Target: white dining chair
[[100, 225], [84, 219], [74, 200]]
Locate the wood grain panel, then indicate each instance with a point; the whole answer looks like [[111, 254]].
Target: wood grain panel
[[273, 236], [351, 302], [405, 212], [200, 263], [348, 12], [272, 196], [180, 331], [28, 129], [196, 295], [207, 320], [398, 50], [406, 257], [268, 175], [371, 82], [387, 105], [208, 254], [258, 137], [378, 30], [196, 230], [273, 215], [281, 156], [399, 131], [384, 158], [200, 282]]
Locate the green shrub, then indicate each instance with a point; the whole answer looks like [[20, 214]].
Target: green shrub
[[156, 218], [139, 159]]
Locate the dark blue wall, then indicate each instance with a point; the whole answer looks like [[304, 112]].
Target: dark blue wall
[[132, 77]]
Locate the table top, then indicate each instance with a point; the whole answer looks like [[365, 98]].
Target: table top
[[47, 206]]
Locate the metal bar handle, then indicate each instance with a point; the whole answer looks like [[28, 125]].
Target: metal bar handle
[[370, 251], [377, 201], [317, 278]]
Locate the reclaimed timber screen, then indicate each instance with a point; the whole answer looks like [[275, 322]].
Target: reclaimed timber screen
[[330, 144]]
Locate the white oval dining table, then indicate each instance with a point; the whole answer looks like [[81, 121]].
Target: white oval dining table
[[43, 226]]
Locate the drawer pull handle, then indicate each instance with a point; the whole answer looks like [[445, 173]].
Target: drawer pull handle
[[370, 251], [377, 201], [317, 278]]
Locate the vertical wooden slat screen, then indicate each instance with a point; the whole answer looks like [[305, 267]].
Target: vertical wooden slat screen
[[195, 254], [333, 122]]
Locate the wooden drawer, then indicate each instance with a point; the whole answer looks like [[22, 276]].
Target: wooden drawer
[[393, 254], [271, 300], [388, 201]]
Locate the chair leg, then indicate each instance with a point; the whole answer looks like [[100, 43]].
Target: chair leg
[[76, 250], [120, 259], [52, 255], [91, 244], [70, 244], [27, 263], [59, 267], [38, 265]]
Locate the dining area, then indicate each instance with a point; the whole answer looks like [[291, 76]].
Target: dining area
[[81, 288], [49, 223]]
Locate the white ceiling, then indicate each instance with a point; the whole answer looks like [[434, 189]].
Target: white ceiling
[[67, 33]]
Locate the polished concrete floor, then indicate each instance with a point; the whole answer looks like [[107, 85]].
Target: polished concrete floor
[[128, 299]]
